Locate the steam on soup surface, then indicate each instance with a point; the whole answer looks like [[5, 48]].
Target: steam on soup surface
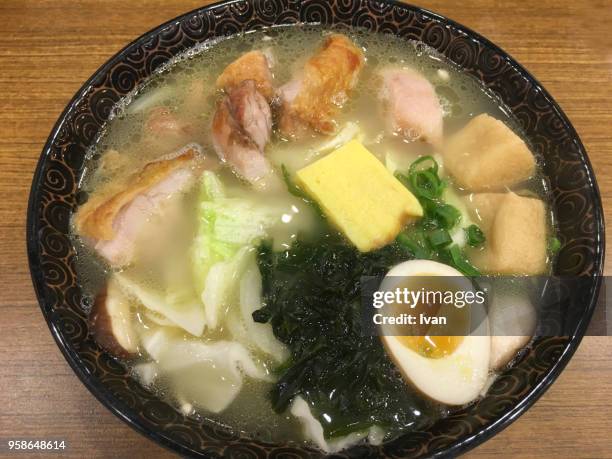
[[236, 199]]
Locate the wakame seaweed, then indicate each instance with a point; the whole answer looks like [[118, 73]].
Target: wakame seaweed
[[312, 299]]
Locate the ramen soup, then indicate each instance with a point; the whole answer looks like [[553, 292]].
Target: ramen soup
[[234, 201]]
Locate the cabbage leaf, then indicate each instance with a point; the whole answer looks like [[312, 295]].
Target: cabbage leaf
[[228, 227]]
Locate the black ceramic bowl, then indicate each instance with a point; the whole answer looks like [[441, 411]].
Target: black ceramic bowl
[[54, 196]]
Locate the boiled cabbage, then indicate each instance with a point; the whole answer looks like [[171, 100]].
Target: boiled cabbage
[[261, 335], [227, 229], [186, 312], [221, 281], [314, 431], [206, 374], [348, 132]]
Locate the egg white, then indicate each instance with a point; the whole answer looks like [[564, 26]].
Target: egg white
[[457, 378]]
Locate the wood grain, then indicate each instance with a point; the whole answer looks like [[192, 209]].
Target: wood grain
[[49, 48]]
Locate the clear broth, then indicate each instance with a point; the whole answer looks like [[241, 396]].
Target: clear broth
[[173, 86]]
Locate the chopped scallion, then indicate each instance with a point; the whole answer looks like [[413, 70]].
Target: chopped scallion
[[439, 238], [446, 215], [416, 244], [554, 244], [456, 258], [474, 235], [418, 164]]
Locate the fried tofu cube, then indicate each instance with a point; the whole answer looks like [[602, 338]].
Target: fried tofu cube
[[516, 231], [486, 155], [360, 196]]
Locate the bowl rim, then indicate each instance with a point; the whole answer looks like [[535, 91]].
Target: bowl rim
[[123, 412]]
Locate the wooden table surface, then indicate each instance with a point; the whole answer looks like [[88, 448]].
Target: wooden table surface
[[49, 48]]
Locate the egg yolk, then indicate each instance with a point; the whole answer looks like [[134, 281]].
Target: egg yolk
[[432, 347], [434, 341]]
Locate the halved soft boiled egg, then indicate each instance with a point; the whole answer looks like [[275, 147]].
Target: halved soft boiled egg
[[449, 369]]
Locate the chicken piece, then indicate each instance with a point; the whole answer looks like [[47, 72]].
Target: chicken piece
[[414, 108], [254, 65], [515, 229], [241, 129], [166, 130], [113, 219], [487, 156], [112, 161], [163, 122], [313, 98]]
